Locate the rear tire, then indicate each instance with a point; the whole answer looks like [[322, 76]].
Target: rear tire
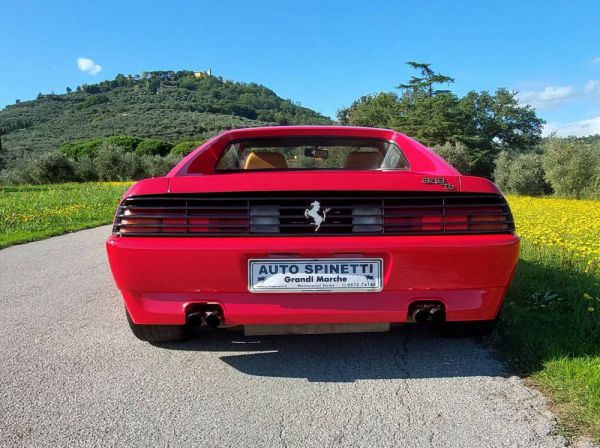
[[158, 333], [466, 329]]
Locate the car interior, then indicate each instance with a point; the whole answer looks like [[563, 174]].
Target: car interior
[[356, 160], [261, 160]]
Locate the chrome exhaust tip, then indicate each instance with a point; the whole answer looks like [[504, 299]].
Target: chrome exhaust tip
[[196, 319], [438, 315], [421, 315], [213, 319]]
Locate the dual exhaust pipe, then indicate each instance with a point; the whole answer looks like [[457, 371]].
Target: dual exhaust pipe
[[421, 313], [425, 312], [210, 319]]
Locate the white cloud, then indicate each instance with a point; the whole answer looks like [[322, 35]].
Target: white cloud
[[595, 61], [592, 87], [88, 66], [580, 128], [552, 93], [547, 98]]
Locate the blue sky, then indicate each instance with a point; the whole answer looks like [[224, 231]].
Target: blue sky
[[324, 54]]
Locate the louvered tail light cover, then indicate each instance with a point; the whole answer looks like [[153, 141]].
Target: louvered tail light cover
[[343, 213]]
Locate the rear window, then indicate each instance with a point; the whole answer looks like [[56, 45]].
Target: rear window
[[311, 153]]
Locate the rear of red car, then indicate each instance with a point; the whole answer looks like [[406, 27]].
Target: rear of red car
[[371, 228]]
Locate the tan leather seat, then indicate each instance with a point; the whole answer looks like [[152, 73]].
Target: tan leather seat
[[360, 160], [263, 160]]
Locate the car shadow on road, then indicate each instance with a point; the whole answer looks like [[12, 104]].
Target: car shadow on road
[[405, 352]]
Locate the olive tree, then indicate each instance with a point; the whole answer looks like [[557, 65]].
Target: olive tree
[[569, 165], [502, 170], [114, 163], [457, 155], [520, 173], [52, 167]]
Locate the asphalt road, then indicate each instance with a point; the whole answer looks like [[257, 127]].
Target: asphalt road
[[72, 374]]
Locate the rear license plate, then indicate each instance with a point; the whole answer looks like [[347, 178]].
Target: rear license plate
[[319, 275]]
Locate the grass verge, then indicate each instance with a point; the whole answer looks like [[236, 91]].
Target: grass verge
[[33, 212], [550, 326]]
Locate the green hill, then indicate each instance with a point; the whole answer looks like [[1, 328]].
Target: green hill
[[167, 105]]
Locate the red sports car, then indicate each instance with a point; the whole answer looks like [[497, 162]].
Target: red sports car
[[312, 225]]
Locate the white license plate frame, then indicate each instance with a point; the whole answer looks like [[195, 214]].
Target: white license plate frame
[[366, 277]]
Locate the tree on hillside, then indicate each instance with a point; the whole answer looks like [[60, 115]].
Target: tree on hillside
[[372, 110], [432, 120], [485, 123], [2, 163], [425, 84]]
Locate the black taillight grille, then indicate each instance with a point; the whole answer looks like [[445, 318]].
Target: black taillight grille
[[339, 213]]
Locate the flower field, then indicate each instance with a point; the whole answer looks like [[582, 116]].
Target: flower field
[[569, 225], [550, 326], [32, 212]]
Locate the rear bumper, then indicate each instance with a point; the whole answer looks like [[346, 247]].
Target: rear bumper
[[160, 277]]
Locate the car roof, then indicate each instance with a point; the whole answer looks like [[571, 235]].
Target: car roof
[[203, 158], [351, 131]]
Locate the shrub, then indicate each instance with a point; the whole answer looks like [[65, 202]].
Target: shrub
[[92, 101], [85, 169], [127, 142], [502, 170], [13, 176], [569, 165], [520, 173], [527, 175], [188, 83], [93, 88], [157, 166], [114, 163], [594, 189], [51, 167], [77, 149], [185, 147], [457, 155], [153, 147]]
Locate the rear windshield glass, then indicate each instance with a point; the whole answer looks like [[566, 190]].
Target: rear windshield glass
[[311, 153]]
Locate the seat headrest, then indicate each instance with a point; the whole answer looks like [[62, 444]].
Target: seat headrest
[[360, 160], [261, 160]]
